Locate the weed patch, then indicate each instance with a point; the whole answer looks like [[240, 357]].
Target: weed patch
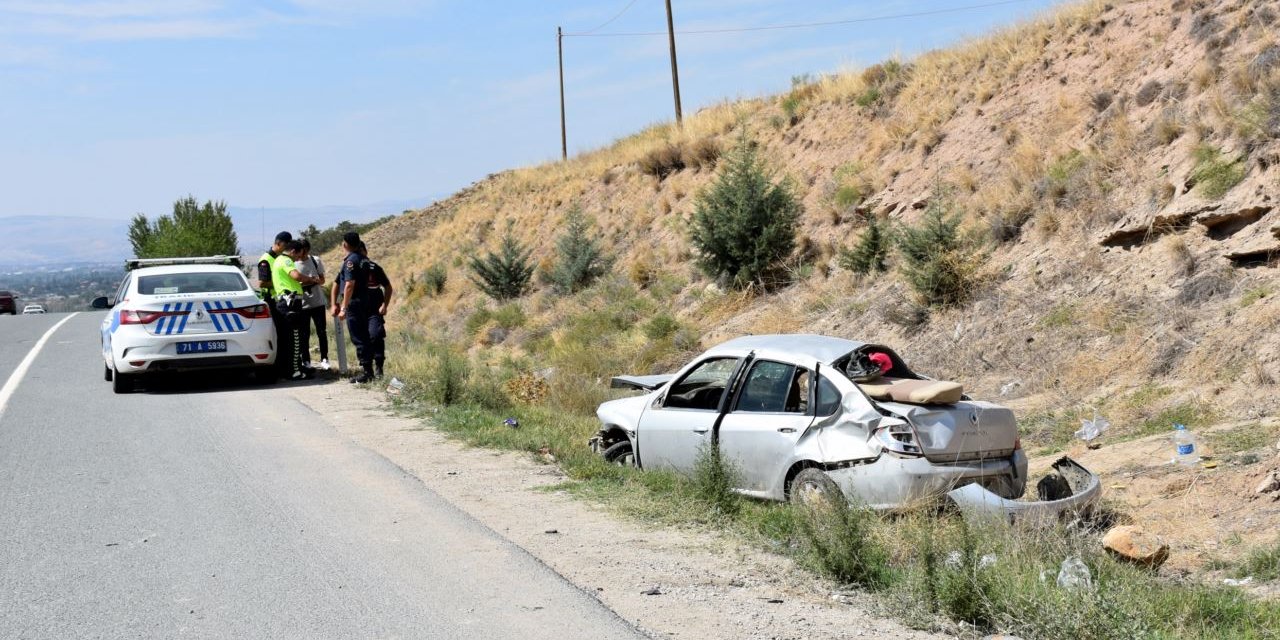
[[1214, 174]]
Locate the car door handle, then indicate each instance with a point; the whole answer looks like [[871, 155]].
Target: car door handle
[[786, 430]]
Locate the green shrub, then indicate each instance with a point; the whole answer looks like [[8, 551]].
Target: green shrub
[[1262, 563], [434, 279], [938, 263], [580, 260], [714, 479], [744, 225], [504, 274], [449, 373], [868, 97], [1215, 175], [871, 251], [839, 541], [660, 327]]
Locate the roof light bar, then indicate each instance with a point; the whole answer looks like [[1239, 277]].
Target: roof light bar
[[138, 263]]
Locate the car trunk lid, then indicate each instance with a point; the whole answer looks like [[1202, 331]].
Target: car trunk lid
[[964, 431], [199, 316]]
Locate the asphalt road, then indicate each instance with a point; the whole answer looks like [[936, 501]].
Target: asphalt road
[[207, 508]]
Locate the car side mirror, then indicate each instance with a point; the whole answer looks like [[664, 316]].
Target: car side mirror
[[100, 302]]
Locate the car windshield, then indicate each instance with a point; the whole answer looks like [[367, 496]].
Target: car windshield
[[171, 283]]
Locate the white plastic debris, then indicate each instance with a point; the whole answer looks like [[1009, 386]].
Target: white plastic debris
[[988, 560], [1074, 574], [1232, 582], [395, 386], [953, 559], [1090, 429]]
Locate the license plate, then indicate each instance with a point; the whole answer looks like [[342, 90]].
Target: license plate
[[204, 346]]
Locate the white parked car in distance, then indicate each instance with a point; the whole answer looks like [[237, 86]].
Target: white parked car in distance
[[32, 309], [802, 415], [185, 314]]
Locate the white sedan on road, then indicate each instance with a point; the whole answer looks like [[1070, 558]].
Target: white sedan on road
[[185, 314], [32, 309]]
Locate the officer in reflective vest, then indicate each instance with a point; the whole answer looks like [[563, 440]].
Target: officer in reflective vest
[[267, 291]]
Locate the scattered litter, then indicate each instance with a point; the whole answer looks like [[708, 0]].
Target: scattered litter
[[1232, 582], [988, 560], [512, 422], [1009, 387], [1209, 464], [952, 561], [1090, 429], [395, 387], [552, 531], [651, 591], [774, 601], [1074, 574]]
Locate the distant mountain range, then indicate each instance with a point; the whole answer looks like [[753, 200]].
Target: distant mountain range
[[56, 240]]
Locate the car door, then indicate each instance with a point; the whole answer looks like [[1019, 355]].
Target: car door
[[772, 410], [678, 425]]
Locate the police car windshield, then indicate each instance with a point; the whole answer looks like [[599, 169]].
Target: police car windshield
[[172, 283]]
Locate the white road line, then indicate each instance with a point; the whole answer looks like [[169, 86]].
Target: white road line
[[15, 378]]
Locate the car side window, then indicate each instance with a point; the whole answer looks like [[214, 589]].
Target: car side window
[[828, 397], [124, 288], [702, 387], [774, 387]]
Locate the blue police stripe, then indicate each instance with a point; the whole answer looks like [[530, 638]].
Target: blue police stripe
[[160, 324], [235, 317], [214, 317], [186, 313]]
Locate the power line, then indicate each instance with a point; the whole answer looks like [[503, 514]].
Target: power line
[[798, 25], [607, 22]]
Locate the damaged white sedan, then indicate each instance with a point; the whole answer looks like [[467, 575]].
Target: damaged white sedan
[[797, 414]]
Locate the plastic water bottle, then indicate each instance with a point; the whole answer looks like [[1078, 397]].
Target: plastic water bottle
[[1185, 441]]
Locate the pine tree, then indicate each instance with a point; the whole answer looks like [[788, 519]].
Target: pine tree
[[744, 225], [580, 258], [871, 251], [937, 261], [504, 274]]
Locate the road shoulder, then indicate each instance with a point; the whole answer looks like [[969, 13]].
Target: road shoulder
[[711, 587]]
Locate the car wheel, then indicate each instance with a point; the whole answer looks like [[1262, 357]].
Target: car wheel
[[265, 375], [121, 383], [812, 487], [621, 454], [106, 373]]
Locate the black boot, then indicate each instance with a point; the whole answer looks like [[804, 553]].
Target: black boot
[[366, 375], [377, 369]]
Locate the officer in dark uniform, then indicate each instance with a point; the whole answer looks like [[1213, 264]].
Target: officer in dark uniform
[[378, 293], [267, 291], [354, 308]]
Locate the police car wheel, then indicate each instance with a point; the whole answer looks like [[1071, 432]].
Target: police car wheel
[[122, 383], [106, 373]]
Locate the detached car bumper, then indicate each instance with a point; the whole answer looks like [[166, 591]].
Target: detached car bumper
[[1072, 490]]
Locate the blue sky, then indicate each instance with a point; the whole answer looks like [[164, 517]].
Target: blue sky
[[114, 107]]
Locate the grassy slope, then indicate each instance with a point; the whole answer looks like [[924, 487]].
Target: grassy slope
[[1043, 128]]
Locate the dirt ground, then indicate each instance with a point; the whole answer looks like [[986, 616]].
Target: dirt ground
[[1205, 512], [710, 587]]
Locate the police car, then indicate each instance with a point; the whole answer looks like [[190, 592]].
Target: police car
[[184, 314]]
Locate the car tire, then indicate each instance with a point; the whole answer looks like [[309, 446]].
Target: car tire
[[621, 454], [107, 374], [812, 486], [121, 383], [265, 375]]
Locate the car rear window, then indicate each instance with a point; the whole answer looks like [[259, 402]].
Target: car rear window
[[171, 283]]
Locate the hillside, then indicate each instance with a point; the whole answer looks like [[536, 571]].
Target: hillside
[[1121, 160]]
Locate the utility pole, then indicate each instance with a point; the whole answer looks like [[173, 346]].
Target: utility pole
[[675, 73], [564, 141]]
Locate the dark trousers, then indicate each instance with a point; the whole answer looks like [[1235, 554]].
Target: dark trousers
[[284, 339], [319, 317], [291, 344], [368, 334]]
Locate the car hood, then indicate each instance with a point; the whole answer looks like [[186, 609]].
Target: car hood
[[624, 412]]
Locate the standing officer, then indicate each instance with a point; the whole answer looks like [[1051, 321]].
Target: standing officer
[[288, 283], [347, 306], [267, 291]]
